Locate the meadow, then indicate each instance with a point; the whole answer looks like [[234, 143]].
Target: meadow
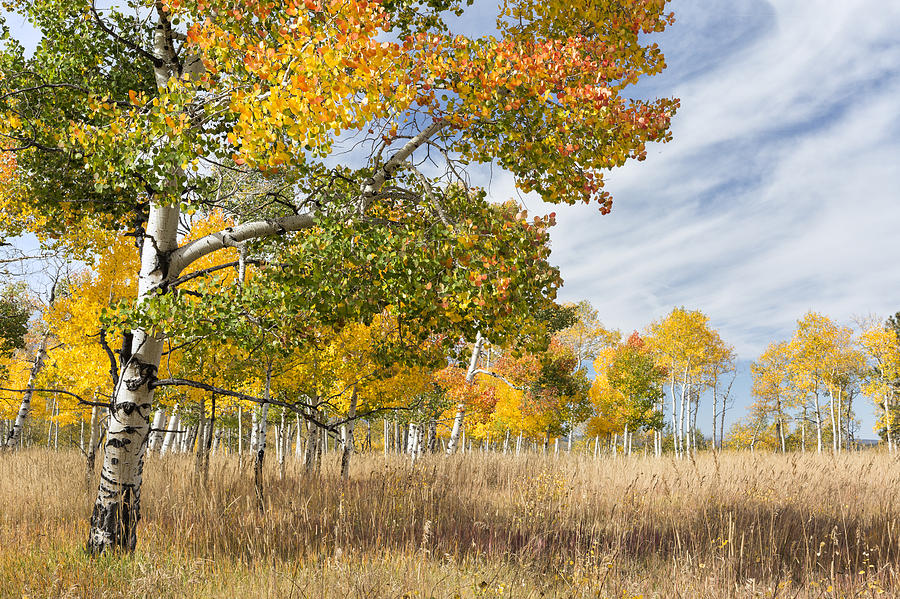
[[474, 525]]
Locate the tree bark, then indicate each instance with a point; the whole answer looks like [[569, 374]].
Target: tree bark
[[94, 440], [818, 423], [260, 449], [348, 442], [156, 434], [461, 408], [15, 433], [171, 428], [282, 445], [117, 508], [888, 423]]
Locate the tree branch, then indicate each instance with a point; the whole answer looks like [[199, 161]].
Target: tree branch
[[113, 364], [502, 378], [373, 185], [232, 236], [156, 61], [76, 396], [45, 86], [209, 270], [297, 407]]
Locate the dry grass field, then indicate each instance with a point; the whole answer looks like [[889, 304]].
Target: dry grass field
[[736, 525]]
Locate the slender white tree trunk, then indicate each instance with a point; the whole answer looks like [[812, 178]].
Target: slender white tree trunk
[[681, 416], [888, 423], [156, 434], [818, 424], [348, 438], [410, 437], [834, 427], [803, 432], [282, 445], [519, 444], [94, 440], [15, 433], [674, 413], [298, 450], [259, 454], [259, 448], [461, 408], [240, 439], [169, 438], [840, 427], [254, 429]]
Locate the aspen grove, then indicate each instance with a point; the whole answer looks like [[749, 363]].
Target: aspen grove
[[341, 129]]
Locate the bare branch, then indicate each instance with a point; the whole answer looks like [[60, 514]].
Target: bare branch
[[156, 61], [60, 391], [502, 378]]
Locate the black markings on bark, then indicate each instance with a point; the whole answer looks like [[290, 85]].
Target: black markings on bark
[[113, 442], [147, 374], [125, 352], [114, 525]]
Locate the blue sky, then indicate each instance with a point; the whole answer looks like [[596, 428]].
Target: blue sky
[[779, 192]]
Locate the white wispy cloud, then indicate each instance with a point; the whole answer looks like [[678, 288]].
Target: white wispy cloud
[[779, 192]]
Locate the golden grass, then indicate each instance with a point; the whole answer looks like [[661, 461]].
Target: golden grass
[[479, 525]]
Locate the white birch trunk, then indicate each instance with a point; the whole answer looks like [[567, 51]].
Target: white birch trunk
[[259, 453], [283, 437], [15, 433], [217, 437], [168, 444], [461, 408], [348, 438], [410, 438], [259, 449], [240, 439], [839, 419], [117, 509], [888, 423], [156, 435], [254, 430], [681, 417], [94, 439], [818, 424], [519, 444], [834, 429], [298, 449], [674, 413]]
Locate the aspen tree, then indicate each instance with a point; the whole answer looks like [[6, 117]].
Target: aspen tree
[[882, 348]]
